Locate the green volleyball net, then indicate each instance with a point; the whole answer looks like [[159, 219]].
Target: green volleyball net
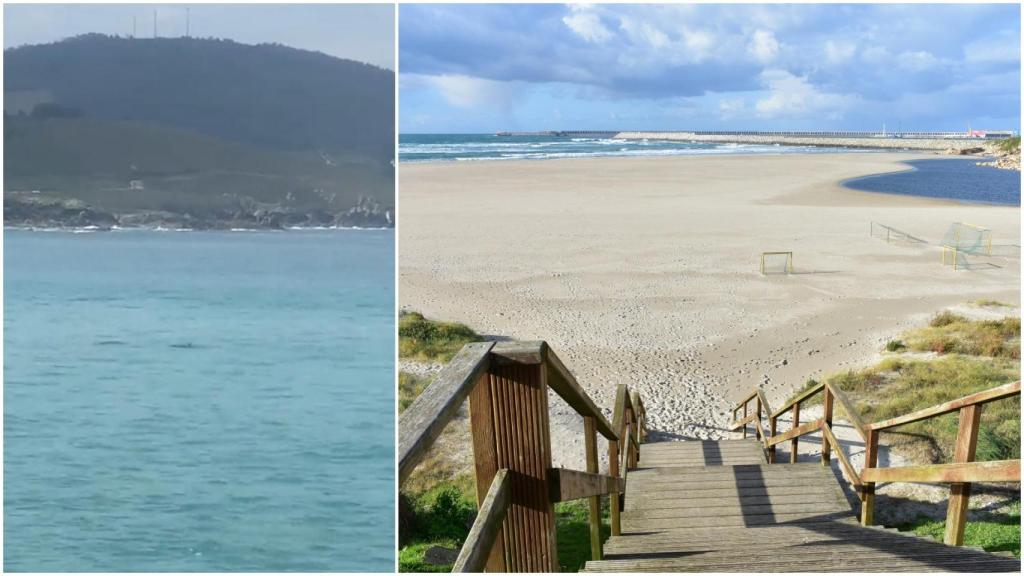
[[963, 238]]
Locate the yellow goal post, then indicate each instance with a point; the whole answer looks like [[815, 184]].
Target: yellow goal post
[[787, 268]]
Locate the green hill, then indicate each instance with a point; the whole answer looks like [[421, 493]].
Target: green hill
[[200, 133]]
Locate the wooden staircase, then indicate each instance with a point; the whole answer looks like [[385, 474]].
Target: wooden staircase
[[718, 506], [713, 506]]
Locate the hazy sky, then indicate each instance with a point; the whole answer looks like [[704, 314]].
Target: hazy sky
[[483, 68], [363, 32]]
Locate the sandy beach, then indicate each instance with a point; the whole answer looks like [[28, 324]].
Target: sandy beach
[[645, 271]]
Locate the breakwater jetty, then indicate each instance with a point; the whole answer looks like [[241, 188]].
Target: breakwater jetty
[[935, 141]]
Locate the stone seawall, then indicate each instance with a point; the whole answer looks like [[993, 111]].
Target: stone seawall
[[937, 144]]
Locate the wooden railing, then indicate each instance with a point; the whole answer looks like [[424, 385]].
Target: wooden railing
[[506, 384], [959, 474]]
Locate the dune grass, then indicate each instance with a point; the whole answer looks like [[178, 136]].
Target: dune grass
[[427, 340], [951, 333], [897, 386], [988, 302], [1009, 145], [442, 516], [996, 533], [409, 387]]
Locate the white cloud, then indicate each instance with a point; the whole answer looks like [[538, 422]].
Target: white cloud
[[763, 46], [993, 49], [917, 61], [731, 108], [839, 52], [587, 24], [698, 42], [471, 92], [791, 95]]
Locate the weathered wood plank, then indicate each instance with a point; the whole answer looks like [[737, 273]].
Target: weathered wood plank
[[744, 509], [764, 401], [826, 445], [843, 460], [799, 399], [800, 430], [473, 557], [523, 446], [990, 395], [590, 445], [566, 484], [423, 421], [565, 385], [519, 352], [485, 459], [794, 454], [994, 471], [960, 493], [733, 426], [867, 505], [852, 416]]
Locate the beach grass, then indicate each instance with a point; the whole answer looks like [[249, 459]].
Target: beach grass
[[951, 333], [409, 387], [443, 515], [1009, 145], [988, 302], [998, 532], [898, 386], [427, 340]]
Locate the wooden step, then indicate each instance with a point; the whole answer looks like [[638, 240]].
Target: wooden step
[[719, 507], [629, 524], [822, 496], [734, 509], [684, 497], [878, 562]]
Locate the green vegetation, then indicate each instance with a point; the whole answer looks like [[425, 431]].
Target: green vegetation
[[267, 95], [87, 116], [895, 345], [950, 333], [443, 515], [899, 386], [409, 387], [1009, 145], [984, 302], [995, 533], [429, 340]]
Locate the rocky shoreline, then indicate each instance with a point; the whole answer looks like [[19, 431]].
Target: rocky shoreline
[[34, 211]]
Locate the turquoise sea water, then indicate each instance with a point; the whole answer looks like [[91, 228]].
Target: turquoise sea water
[[199, 401], [469, 147]]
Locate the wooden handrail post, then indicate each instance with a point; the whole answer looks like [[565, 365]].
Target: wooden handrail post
[[509, 418], [590, 439], [771, 432], [757, 431], [826, 420], [485, 457], [745, 417], [613, 497], [960, 492], [796, 439], [631, 433], [867, 504]]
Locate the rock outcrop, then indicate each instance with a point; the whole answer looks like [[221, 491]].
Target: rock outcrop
[[36, 210]]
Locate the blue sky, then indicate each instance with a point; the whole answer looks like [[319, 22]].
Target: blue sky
[[355, 31], [484, 68]]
